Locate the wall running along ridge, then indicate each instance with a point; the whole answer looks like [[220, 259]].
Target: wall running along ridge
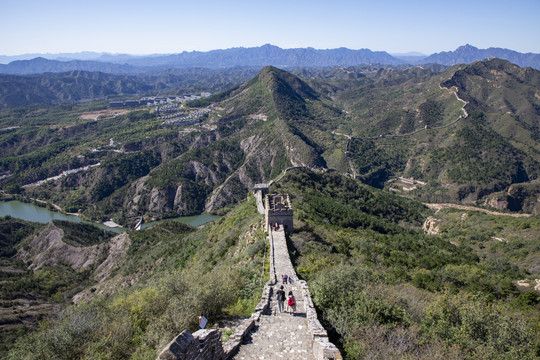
[[206, 344]]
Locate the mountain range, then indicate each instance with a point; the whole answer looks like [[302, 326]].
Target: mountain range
[[256, 57], [372, 123], [78, 86]]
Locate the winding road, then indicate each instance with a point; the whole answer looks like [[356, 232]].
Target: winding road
[[438, 207]]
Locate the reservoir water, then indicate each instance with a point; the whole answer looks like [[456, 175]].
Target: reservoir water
[[30, 212]]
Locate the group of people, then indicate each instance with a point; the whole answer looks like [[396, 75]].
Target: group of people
[[286, 279], [280, 296], [291, 301]]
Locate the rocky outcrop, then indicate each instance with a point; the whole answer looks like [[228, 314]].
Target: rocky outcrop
[[174, 199], [497, 203], [118, 247], [257, 161], [48, 248], [108, 280], [519, 197], [430, 226], [202, 345]]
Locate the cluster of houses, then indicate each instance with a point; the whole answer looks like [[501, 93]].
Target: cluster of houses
[[151, 101], [172, 116], [405, 184], [187, 119], [127, 103], [168, 108]]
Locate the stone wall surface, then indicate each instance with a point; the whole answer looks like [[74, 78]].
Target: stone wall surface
[[260, 201], [202, 345]]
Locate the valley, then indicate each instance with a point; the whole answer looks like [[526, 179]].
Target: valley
[[398, 176]]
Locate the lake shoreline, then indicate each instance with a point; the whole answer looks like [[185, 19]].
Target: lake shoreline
[[43, 212]]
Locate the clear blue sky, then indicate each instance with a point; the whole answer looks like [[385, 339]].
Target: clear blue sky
[[146, 27]]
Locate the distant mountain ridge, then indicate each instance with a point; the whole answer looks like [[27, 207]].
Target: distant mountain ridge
[[77, 85], [467, 54], [41, 65], [255, 57], [271, 55]]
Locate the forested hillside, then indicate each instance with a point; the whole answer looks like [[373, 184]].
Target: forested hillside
[[467, 132], [387, 290], [383, 288], [83, 85]]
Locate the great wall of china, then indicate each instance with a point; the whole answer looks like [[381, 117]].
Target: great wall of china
[[268, 333]]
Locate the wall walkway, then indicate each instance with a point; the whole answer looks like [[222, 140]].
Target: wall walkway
[[268, 333]]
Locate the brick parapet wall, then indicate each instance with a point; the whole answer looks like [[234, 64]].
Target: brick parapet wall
[[273, 275], [247, 325], [323, 349]]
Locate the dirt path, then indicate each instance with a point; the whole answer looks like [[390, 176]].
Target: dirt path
[[473, 208], [61, 175]]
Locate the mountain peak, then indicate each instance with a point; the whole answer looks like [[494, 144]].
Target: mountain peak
[[467, 54], [285, 83], [268, 45], [275, 93], [466, 47]]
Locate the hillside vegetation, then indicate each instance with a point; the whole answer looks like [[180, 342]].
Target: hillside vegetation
[[375, 123], [383, 287], [387, 290], [34, 288], [156, 287], [74, 84]]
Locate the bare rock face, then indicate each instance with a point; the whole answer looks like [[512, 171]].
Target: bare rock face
[[497, 203], [519, 197], [258, 160], [430, 226], [159, 200], [201, 173], [224, 194], [103, 274], [118, 247], [48, 248], [527, 195]]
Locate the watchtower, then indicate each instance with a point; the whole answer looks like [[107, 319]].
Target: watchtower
[[279, 212]]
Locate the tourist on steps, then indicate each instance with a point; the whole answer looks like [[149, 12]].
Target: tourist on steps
[[291, 303], [280, 296]]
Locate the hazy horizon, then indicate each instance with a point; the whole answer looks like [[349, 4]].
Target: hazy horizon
[[96, 54], [405, 53]]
